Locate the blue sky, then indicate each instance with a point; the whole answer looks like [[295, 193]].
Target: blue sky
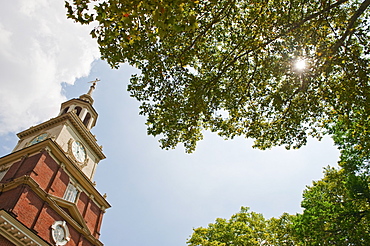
[[157, 196]]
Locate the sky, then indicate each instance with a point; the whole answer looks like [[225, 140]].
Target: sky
[[157, 196]]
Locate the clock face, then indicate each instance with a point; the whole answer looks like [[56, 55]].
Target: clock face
[[78, 151], [59, 233], [39, 138]]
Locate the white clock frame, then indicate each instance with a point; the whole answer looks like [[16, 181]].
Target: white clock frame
[[57, 225], [70, 152]]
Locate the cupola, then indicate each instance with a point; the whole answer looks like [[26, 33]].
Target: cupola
[[82, 107]]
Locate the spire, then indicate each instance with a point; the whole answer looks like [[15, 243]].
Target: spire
[[92, 87], [88, 97]]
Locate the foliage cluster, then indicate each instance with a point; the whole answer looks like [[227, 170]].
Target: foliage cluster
[[245, 228], [336, 212], [227, 66]]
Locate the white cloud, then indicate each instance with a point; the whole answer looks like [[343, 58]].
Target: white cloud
[[40, 49]]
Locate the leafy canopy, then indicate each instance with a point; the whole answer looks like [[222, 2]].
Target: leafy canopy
[[245, 228], [227, 66], [336, 211]]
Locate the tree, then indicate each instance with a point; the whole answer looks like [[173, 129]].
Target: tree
[[351, 135], [336, 211], [227, 66], [244, 228]]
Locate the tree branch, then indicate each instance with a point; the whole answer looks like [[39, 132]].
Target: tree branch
[[208, 27], [349, 31], [310, 17]]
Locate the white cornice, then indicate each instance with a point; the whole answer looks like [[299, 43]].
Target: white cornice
[[76, 123]]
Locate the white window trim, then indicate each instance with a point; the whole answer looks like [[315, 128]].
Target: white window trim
[[71, 194]]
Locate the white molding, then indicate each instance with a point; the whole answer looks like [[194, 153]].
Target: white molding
[[17, 233]]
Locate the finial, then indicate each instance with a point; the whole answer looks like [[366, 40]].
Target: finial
[[92, 87], [88, 96]]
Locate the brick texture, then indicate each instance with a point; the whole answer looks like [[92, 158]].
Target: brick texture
[[28, 207], [34, 211], [8, 199]]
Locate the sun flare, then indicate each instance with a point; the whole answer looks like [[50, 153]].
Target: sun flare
[[300, 64]]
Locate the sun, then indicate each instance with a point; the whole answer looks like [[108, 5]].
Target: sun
[[300, 64]]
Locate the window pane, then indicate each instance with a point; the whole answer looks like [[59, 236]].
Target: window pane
[[71, 193]]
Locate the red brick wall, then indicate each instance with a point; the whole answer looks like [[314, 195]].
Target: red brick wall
[[20, 168], [92, 217], [46, 219], [60, 183], [91, 213], [82, 202], [11, 172], [28, 207], [9, 198], [32, 211], [44, 171], [48, 174], [5, 242], [75, 237]]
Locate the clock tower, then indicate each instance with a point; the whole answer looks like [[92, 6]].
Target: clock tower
[[47, 193]]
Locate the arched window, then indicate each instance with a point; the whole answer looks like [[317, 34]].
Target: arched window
[[65, 110], [87, 119], [78, 110]]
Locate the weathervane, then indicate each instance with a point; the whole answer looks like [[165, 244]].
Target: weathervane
[[94, 81], [92, 87]]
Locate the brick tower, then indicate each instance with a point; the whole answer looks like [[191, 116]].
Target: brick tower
[[47, 194]]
